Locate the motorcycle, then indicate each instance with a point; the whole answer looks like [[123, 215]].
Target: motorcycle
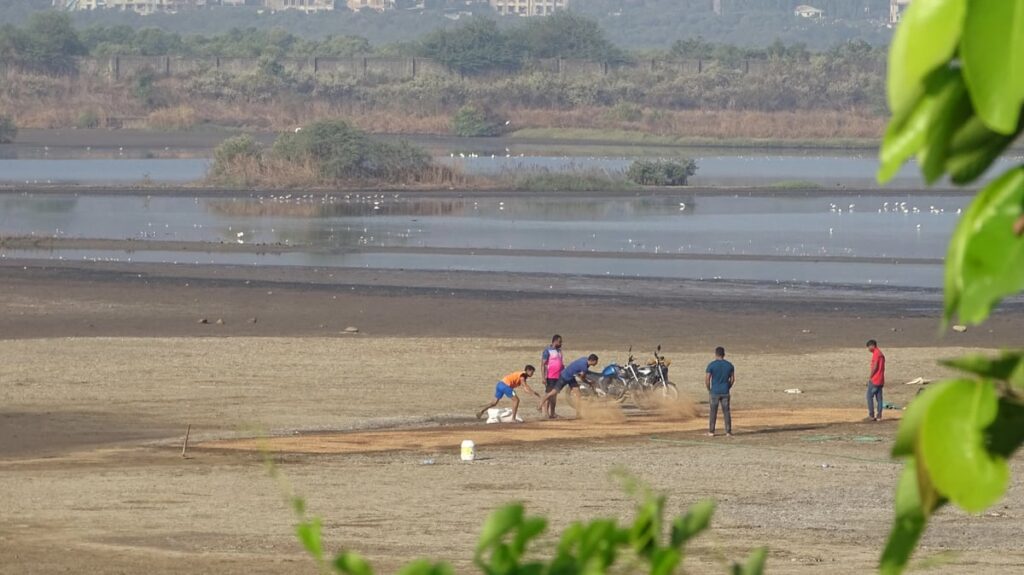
[[643, 383], [655, 375]]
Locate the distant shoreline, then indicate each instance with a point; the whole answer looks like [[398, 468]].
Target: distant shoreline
[[204, 191], [210, 137]]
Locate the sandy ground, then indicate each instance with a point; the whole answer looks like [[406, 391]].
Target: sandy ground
[[101, 371]]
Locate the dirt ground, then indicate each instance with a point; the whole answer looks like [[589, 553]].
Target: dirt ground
[[102, 371]]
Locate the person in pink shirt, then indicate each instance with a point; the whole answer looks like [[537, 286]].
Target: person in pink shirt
[[876, 381], [551, 363]]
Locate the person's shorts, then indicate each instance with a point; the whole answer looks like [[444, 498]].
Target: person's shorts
[[503, 390], [550, 384], [571, 384]]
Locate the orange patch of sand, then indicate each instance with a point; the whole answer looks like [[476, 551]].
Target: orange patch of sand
[[448, 438]]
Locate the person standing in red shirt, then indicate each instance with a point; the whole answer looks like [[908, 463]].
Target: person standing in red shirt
[[876, 381]]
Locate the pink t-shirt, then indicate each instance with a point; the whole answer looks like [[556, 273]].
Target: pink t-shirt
[[555, 364]]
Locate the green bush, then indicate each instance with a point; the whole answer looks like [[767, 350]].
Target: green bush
[[88, 119], [340, 151], [544, 180], [661, 172], [473, 122], [8, 130], [648, 544], [231, 150]]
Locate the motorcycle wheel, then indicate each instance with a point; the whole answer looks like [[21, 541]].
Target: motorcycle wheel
[[644, 398], [669, 391], [615, 388]]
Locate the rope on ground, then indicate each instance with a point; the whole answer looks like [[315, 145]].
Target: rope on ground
[[769, 448]]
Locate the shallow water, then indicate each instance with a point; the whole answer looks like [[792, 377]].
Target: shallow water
[[102, 171], [622, 236], [855, 170]]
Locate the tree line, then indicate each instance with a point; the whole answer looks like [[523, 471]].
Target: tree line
[[50, 43], [630, 24]]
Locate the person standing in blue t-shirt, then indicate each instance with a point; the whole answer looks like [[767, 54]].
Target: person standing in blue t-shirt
[[721, 375]]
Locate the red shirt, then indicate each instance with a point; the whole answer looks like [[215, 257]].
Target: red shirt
[[878, 363]]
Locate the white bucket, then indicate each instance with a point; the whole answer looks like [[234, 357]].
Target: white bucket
[[502, 415], [468, 450]]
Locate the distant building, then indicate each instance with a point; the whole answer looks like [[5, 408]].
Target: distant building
[[896, 9], [805, 11], [307, 6], [527, 8], [142, 6], [378, 5], [138, 6]]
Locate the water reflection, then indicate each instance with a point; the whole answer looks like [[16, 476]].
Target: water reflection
[[866, 227]]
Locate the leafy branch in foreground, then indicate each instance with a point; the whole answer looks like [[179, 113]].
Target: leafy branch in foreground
[[956, 91], [584, 547]]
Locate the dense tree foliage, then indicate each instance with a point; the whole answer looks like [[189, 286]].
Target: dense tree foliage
[[476, 47], [631, 24], [249, 43], [566, 35], [47, 43]]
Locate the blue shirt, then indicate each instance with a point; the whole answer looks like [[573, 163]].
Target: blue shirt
[[720, 371], [578, 366]]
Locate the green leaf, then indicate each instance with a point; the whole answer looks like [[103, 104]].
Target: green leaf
[[352, 564], [952, 445], [904, 136], [910, 424], [985, 261], [1016, 378], [911, 518], [501, 521], [309, 535], [952, 110], [973, 149], [696, 520], [926, 126], [925, 40], [992, 54], [588, 548], [646, 529], [755, 563], [665, 561], [1001, 367], [528, 530], [1006, 433]]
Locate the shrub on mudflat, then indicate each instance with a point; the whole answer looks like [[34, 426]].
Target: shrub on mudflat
[[661, 172]]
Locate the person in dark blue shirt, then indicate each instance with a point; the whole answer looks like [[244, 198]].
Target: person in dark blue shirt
[[571, 377], [721, 375]]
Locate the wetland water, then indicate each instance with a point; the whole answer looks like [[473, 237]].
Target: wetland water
[[714, 167], [891, 238]]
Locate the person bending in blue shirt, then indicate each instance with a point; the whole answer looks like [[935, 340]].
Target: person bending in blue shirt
[[721, 376], [571, 377]]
